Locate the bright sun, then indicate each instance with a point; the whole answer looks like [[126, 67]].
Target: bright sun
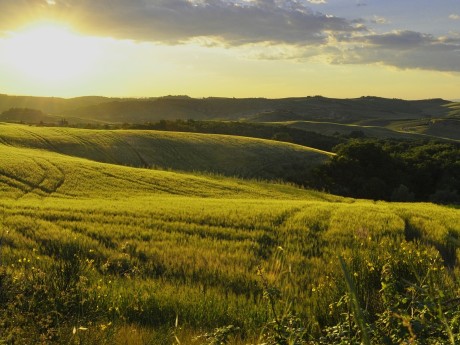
[[51, 53]]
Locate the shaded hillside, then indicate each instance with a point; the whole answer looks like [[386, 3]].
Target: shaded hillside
[[228, 155]]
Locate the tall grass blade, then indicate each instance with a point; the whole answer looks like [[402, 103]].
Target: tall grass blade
[[357, 312]]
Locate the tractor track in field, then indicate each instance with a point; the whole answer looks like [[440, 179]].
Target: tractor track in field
[[13, 183], [136, 152], [88, 143], [141, 183], [60, 179], [4, 142], [43, 139], [23, 182], [284, 217], [28, 187]]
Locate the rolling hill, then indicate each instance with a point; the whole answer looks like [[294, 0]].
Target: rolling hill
[[30, 173], [222, 154]]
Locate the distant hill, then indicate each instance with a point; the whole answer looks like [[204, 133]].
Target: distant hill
[[119, 110], [49, 105], [38, 117], [378, 117], [261, 109]]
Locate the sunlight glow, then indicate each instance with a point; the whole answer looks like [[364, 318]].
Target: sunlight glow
[[51, 53]]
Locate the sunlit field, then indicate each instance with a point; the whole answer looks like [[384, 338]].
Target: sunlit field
[[95, 253], [222, 154]]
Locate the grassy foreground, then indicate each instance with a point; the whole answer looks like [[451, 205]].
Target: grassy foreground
[[95, 253], [105, 265]]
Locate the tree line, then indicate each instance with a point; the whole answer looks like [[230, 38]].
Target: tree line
[[392, 170]]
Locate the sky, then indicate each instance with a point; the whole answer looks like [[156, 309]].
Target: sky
[[406, 49]]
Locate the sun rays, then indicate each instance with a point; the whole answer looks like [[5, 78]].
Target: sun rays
[[48, 52]]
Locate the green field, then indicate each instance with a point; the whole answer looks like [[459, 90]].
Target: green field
[[94, 252], [228, 155]]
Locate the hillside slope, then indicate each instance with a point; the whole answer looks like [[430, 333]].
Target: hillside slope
[[26, 173], [227, 155]]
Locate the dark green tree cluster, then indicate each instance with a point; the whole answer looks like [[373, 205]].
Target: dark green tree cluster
[[393, 170]]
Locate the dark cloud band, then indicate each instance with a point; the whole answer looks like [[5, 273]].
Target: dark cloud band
[[240, 22], [173, 21]]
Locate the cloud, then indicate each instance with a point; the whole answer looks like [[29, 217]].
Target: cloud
[[400, 40], [232, 22], [379, 20], [402, 49], [399, 49], [317, 1], [454, 16]]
